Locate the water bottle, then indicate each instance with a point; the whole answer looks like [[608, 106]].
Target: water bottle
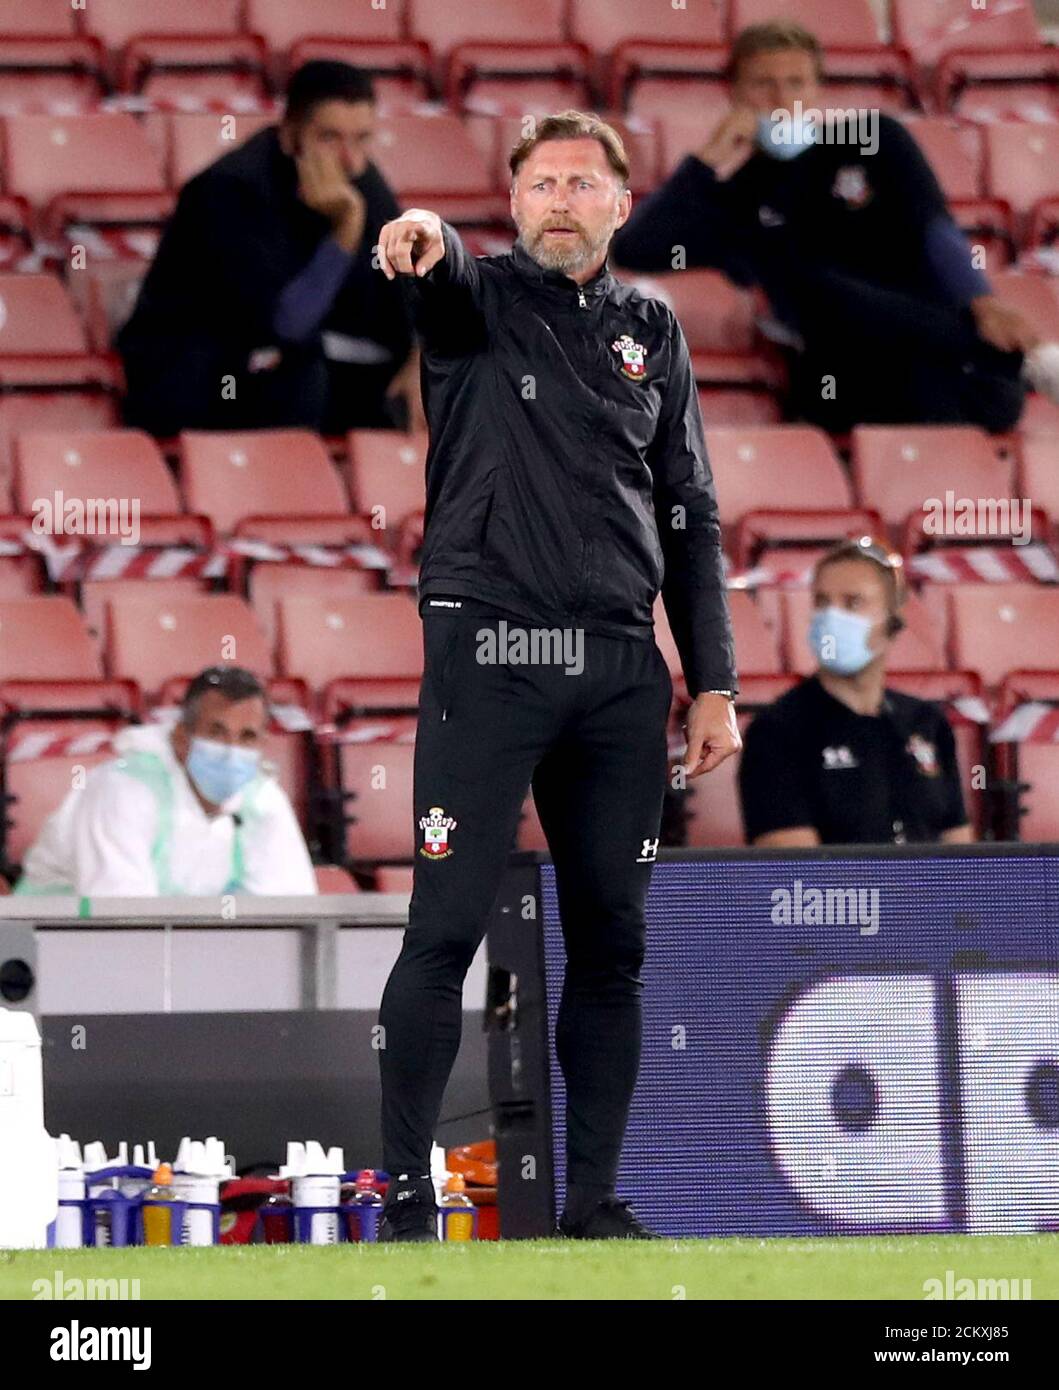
[[458, 1216], [158, 1219], [366, 1207]]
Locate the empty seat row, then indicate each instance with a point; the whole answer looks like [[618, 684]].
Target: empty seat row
[[156, 637], [900, 476]]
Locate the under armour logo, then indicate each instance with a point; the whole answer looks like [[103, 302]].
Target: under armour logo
[[649, 852]]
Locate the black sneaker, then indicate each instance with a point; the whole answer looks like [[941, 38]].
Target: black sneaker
[[608, 1220], [410, 1210]]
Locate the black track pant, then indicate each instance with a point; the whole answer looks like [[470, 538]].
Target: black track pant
[[894, 357], [594, 745]]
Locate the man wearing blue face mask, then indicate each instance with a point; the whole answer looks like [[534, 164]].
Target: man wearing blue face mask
[[883, 313], [184, 809], [841, 759]]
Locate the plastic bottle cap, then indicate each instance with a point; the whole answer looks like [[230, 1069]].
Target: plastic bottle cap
[[455, 1183], [163, 1174]]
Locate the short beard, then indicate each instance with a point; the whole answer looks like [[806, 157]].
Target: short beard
[[568, 259]]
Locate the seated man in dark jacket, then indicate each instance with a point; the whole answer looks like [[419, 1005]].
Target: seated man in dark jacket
[[887, 315], [842, 758], [262, 308]]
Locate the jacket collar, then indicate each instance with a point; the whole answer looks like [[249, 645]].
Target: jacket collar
[[600, 284]]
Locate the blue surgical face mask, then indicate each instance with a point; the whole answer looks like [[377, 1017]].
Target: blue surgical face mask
[[219, 770], [787, 137], [840, 640]]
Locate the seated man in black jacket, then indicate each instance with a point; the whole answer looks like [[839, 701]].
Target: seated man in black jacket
[[841, 759], [838, 217], [262, 308]]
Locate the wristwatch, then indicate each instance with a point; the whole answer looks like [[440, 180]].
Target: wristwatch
[[728, 694]]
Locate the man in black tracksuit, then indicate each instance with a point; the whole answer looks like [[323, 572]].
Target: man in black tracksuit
[[567, 481]]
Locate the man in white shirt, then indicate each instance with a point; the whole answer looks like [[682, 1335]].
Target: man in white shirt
[[184, 809]]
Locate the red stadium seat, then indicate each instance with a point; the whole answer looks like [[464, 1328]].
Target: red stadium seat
[[37, 19], [722, 405], [920, 647], [331, 878], [1039, 476], [604, 26], [16, 232], [1034, 767], [376, 782], [152, 642], [1040, 416], [121, 468], [432, 161], [899, 469], [46, 411], [200, 39], [713, 816], [997, 628], [21, 574], [492, 54], [282, 24], [353, 31], [259, 473], [866, 78], [117, 22], [269, 585], [42, 341], [1022, 163], [1036, 295], [718, 319], [386, 477], [377, 636], [45, 639], [37, 787], [930, 28], [393, 878], [783, 468], [954, 151], [637, 44], [104, 463], [1006, 85], [43, 58], [39, 74], [686, 108], [197, 139], [105, 294], [96, 168], [756, 647], [836, 23]]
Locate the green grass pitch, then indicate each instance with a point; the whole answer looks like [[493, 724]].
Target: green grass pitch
[[851, 1268]]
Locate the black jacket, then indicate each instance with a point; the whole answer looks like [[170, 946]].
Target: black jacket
[[565, 479], [238, 235]]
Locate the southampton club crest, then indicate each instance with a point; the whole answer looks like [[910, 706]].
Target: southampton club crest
[[633, 358], [852, 186], [435, 826]]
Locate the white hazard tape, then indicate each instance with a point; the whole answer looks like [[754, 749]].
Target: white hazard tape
[[81, 559], [1034, 722], [29, 747]]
